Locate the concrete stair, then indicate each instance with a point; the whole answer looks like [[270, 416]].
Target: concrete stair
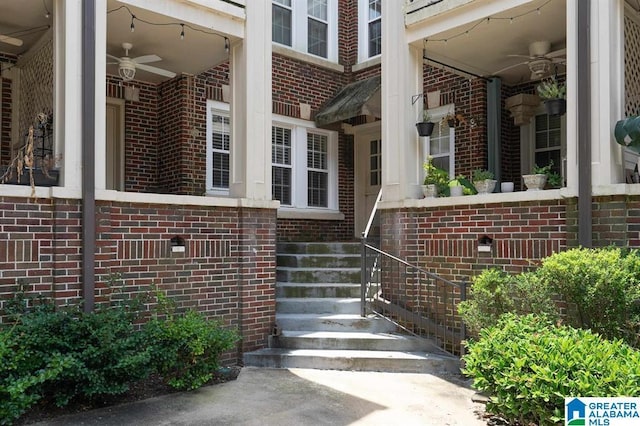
[[318, 314]]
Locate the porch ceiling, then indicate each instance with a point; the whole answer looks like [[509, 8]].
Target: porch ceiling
[[485, 49], [196, 53]]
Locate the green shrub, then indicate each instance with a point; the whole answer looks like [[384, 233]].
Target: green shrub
[[185, 349], [527, 365], [601, 288], [104, 353], [20, 386], [495, 292]]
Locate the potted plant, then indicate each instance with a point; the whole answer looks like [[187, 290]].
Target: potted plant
[[435, 179], [538, 179], [553, 94], [452, 119], [483, 181], [460, 186], [425, 127]]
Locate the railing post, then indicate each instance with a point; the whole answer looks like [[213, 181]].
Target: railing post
[[463, 327], [363, 275]]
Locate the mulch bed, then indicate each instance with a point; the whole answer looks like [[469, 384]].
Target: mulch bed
[[144, 389]]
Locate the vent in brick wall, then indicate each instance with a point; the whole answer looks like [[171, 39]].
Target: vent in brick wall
[[157, 249], [283, 108], [19, 251]]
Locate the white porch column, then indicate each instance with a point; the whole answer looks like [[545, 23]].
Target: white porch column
[[68, 89], [250, 80], [100, 95], [401, 79], [607, 89]]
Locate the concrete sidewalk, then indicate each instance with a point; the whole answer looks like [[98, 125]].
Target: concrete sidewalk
[[301, 397]]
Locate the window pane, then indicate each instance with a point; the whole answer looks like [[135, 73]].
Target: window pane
[[317, 9], [316, 151], [375, 38], [281, 145], [375, 9], [318, 186], [220, 170], [317, 38], [281, 25], [442, 162], [375, 162], [281, 184]]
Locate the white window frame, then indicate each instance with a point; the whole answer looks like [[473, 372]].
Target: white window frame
[[528, 141], [299, 181], [219, 108], [363, 31], [300, 27], [437, 114]]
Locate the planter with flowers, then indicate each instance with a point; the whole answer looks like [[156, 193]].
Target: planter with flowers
[[483, 181], [435, 179], [553, 94]]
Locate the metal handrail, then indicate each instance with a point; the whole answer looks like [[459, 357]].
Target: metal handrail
[[419, 301], [374, 210]]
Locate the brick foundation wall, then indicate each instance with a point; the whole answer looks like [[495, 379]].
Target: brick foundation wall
[[227, 270], [444, 240]]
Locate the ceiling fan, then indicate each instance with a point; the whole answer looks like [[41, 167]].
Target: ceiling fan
[[540, 59], [127, 66]]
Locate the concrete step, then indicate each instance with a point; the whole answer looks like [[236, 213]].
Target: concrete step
[[319, 248], [284, 289], [333, 322], [315, 275], [318, 305], [389, 361], [352, 341], [318, 260]]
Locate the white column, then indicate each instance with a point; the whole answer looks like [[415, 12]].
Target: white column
[[401, 79], [68, 89], [607, 89], [100, 94], [251, 106]]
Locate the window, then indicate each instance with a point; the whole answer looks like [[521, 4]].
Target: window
[[441, 144], [281, 22], [218, 147], [309, 26], [369, 29], [548, 141], [304, 165], [375, 162]]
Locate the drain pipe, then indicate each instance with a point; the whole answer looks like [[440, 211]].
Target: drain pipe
[[88, 153], [585, 213]]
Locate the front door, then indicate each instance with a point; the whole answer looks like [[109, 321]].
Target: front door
[[368, 172]]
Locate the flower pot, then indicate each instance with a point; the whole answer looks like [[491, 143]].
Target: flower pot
[[485, 186], [430, 191], [506, 187], [555, 106], [425, 128], [456, 191], [534, 182]]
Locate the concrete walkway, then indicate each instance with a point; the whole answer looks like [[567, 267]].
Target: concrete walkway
[[301, 397]]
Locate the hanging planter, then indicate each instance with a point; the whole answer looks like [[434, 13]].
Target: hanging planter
[[555, 106], [425, 128]]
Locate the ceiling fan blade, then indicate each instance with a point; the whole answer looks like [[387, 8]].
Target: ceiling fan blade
[[147, 59], [556, 53], [10, 40], [519, 56], [510, 67], [115, 58], [156, 70]]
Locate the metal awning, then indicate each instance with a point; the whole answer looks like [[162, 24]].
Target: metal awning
[[359, 98]]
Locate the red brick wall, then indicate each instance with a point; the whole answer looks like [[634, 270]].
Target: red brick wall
[[470, 99], [227, 270], [444, 240], [141, 135], [6, 110]]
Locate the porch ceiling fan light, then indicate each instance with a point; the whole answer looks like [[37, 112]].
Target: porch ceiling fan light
[[539, 67], [126, 71]]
